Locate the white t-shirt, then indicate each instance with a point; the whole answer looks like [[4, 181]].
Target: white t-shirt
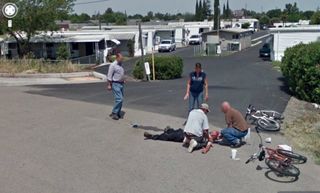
[[197, 123]]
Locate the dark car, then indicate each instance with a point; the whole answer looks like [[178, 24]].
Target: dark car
[[265, 51]]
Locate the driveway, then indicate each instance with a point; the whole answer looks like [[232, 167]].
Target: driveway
[[241, 78]]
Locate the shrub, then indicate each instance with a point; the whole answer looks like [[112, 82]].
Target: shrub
[[63, 52], [301, 67], [166, 67]]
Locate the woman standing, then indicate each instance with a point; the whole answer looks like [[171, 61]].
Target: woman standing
[[196, 85]]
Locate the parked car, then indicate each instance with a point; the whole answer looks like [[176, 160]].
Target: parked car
[[265, 51], [167, 46], [195, 40]]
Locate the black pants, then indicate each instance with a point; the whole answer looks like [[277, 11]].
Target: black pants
[[178, 136], [170, 135]]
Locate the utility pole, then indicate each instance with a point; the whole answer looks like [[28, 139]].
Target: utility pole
[[141, 47]]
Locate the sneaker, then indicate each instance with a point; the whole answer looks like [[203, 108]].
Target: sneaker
[[192, 145], [115, 117], [185, 142], [147, 135]]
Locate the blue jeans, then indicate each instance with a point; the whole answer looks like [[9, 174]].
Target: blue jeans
[[233, 135], [195, 98], [117, 90]]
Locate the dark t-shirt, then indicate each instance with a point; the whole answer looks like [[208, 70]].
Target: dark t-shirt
[[197, 82]]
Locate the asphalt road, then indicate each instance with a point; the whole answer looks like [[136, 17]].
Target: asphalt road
[[242, 79]]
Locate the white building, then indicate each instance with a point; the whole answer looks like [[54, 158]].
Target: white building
[[283, 38]]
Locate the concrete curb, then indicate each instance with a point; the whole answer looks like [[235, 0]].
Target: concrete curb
[[49, 75], [99, 75]]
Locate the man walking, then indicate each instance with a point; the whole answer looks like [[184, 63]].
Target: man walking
[[236, 129], [116, 83]]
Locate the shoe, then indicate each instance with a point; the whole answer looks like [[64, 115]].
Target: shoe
[[185, 142], [111, 115], [147, 135], [236, 145], [192, 145], [224, 142], [167, 129], [184, 124], [115, 117]]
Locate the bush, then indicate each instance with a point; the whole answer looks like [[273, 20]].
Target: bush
[[166, 67], [301, 67]]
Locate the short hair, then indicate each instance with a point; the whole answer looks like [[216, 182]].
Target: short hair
[[198, 65]]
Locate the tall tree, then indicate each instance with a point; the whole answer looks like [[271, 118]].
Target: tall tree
[[224, 11], [228, 11], [197, 11], [216, 17], [200, 10], [204, 10], [35, 16], [209, 11], [315, 19]]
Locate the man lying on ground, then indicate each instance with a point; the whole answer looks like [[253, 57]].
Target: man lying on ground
[[195, 134]]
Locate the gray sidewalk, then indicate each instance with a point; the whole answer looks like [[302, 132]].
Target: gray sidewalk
[[52, 145]]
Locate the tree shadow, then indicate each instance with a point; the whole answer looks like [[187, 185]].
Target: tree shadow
[[284, 87]]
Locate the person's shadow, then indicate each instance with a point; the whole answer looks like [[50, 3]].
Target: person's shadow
[[147, 128]]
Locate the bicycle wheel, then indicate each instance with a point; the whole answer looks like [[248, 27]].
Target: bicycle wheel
[[268, 125], [296, 158], [286, 170], [273, 114]]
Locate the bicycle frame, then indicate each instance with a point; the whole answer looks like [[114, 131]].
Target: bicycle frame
[[270, 153]]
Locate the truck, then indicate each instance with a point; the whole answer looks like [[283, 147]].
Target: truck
[[167, 46]]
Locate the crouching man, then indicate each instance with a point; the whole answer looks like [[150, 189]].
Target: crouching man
[[195, 134], [197, 129], [237, 127]]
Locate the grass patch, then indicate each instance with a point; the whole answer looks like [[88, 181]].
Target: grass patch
[[33, 66], [304, 130], [276, 65]]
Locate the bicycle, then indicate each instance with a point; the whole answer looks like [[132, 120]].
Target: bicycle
[[278, 160], [267, 120]]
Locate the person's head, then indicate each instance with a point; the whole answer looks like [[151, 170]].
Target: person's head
[[205, 108], [225, 107], [215, 134], [119, 57], [198, 68]]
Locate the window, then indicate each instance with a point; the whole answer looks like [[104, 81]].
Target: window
[[75, 46], [236, 36]]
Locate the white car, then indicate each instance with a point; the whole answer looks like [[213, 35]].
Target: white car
[[167, 46], [195, 40]]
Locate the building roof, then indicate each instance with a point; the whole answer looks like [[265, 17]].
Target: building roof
[[122, 36], [81, 38], [235, 30], [314, 28]]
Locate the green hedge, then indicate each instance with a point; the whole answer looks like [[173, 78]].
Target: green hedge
[[166, 67], [301, 67]]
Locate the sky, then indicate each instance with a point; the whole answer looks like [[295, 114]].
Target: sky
[[176, 6]]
